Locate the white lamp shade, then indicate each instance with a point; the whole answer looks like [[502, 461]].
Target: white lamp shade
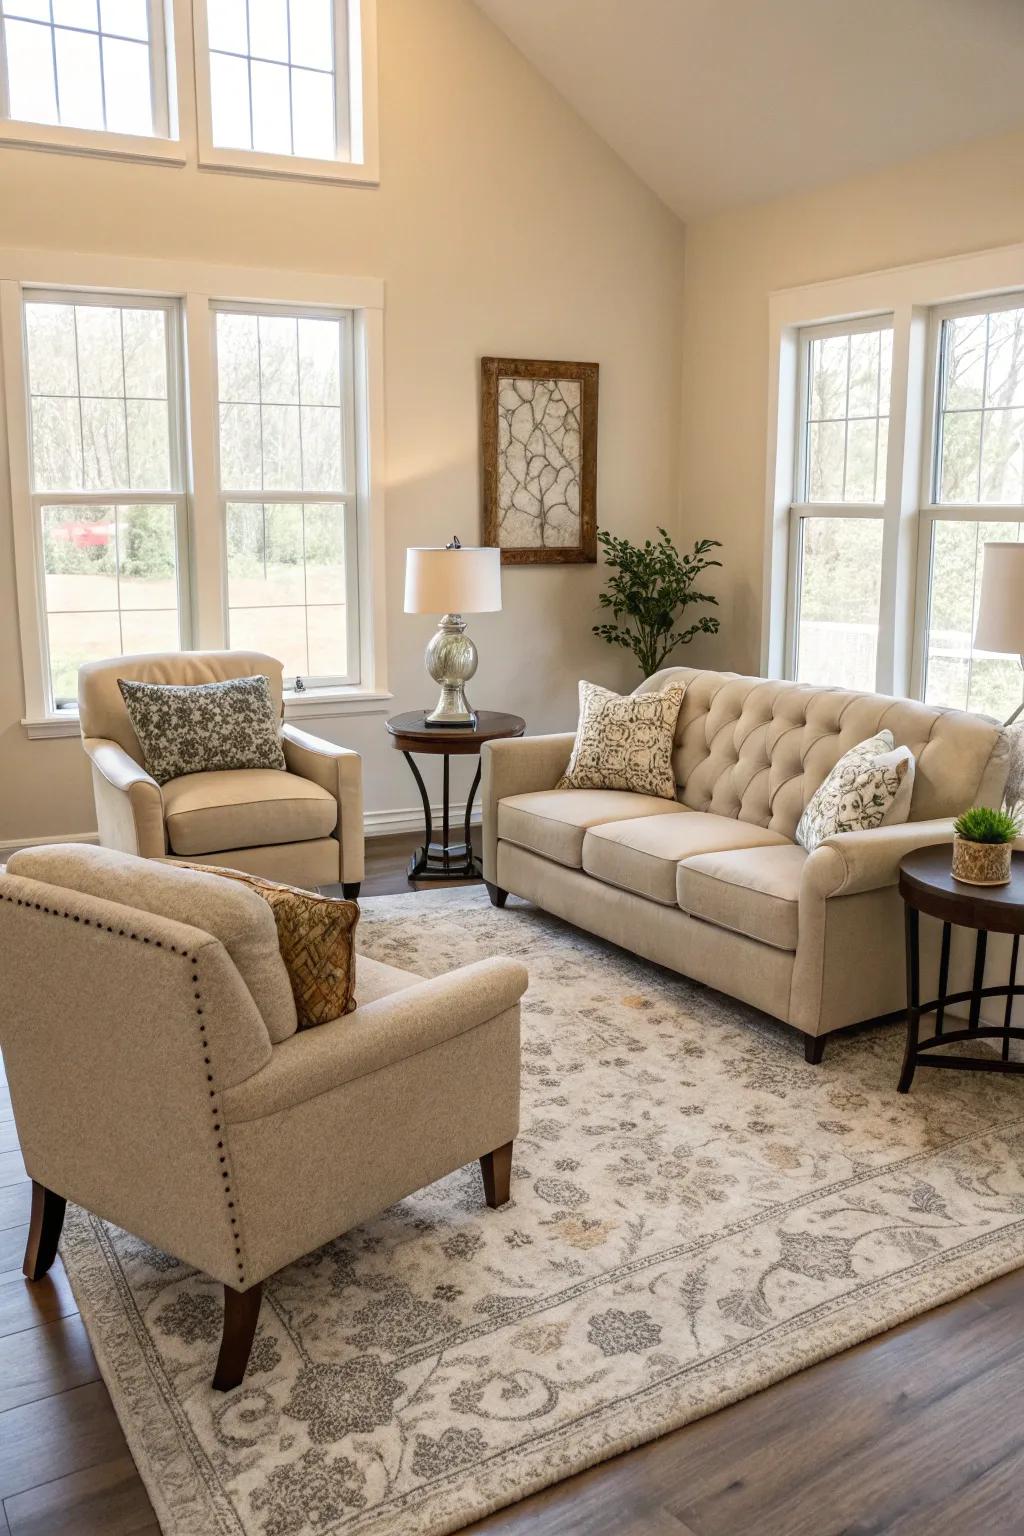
[[453, 580], [1001, 609]]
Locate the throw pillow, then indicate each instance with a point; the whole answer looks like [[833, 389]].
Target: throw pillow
[[625, 742], [870, 786], [315, 935], [199, 727]]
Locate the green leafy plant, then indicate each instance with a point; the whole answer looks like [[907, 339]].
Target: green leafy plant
[[649, 591], [983, 825]]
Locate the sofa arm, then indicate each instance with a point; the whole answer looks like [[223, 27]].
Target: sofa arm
[[517, 766], [339, 770], [377, 1035], [867, 861], [129, 805]]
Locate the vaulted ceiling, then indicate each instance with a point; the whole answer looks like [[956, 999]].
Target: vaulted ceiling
[[716, 103]]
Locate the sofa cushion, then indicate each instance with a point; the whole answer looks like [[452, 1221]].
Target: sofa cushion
[[244, 808], [375, 980], [624, 742], [238, 918], [642, 856], [200, 727], [753, 891], [554, 822]]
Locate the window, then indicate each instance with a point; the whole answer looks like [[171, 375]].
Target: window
[[841, 467], [287, 86], [896, 456], [287, 489], [92, 64], [190, 470], [977, 468], [106, 478]]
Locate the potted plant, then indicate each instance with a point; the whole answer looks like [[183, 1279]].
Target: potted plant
[[982, 846], [649, 592]]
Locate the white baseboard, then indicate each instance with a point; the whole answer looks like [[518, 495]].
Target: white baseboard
[[375, 824]]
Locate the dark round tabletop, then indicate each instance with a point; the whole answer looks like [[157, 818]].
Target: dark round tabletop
[[926, 882], [410, 732]]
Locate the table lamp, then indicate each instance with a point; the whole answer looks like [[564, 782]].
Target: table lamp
[[450, 582], [1001, 609]]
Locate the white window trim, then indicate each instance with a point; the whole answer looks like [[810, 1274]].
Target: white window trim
[[198, 286], [357, 59], [916, 298], [172, 105]]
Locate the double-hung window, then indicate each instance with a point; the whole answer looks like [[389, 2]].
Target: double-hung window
[[837, 519], [974, 494], [287, 488], [107, 478]]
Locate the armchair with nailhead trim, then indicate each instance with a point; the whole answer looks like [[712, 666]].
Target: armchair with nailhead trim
[[158, 1078]]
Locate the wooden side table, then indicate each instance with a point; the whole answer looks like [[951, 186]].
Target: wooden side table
[[409, 733], [927, 885]]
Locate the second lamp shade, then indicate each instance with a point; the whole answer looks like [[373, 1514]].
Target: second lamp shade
[[1001, 607]]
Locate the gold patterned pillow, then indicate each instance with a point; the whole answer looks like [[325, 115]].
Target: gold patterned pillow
[[625, 742], [316, 937]]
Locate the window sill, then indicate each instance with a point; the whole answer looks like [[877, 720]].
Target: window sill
[[64, 723], [252, 162], [318, 703], [88, 141]]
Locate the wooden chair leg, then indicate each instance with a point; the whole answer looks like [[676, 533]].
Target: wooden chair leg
[[496, 1168], [350, 890], [241, 1313], [44, 1230], [814, 1049], [497, 895]]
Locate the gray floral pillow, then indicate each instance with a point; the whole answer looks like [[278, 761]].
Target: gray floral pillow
[[870, 786], [199, 727], [625, 742]]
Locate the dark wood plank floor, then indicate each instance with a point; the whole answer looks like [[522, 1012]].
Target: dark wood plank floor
[[918, 1431]]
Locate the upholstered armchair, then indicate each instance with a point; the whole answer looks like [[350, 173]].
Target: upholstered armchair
[[303, 827], [158, 1079]]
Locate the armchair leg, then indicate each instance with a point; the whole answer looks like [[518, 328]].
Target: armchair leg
[[497, 895], [351, 890], [814, 1048], [241, 1312], [496, 1168], [44, 1230]]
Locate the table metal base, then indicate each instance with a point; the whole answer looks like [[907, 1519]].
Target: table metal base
[[444, 860], [919, 1052]]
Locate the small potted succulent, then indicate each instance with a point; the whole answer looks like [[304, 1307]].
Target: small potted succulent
[[982, 846]]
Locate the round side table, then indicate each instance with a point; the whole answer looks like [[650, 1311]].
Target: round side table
[[409, 733], [927, 885]]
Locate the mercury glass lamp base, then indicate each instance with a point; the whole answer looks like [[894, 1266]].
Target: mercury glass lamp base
[[451, 660]]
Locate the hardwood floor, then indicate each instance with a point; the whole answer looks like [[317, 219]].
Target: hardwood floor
[[917, 1431]]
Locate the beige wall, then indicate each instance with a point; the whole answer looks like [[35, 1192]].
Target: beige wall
[[964, 200], [502, 225]]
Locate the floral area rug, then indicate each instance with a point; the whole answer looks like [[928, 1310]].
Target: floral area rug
[[697, 1213]]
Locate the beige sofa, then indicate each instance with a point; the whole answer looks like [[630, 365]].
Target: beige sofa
[[304, 827], [149, 1033], [713, 884]]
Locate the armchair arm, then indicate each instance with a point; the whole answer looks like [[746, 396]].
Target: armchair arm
[[517, 766], [129, 805], [867, 861], [339, 770], [378, 1034]]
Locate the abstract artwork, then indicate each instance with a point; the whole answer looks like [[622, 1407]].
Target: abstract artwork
[[539, 444]]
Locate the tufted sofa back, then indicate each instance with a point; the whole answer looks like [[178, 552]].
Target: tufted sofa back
[[757, 749]]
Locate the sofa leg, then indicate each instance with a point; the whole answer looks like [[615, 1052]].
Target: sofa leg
[[496, 1168], [497, 895], [241, 1311], [351, 890], [44, 1230], [814, 1048]]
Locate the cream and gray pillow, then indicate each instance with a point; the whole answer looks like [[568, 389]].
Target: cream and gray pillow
[[200, 727], [870, 786], [625, 742]]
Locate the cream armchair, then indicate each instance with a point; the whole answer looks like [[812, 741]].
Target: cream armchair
[[304, 827], [158, 1079]]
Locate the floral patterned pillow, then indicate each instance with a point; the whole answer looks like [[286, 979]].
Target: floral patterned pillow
[[870, 786], [196, 727], [625, 743]]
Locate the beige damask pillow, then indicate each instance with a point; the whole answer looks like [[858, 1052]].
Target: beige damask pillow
[[624, 742], [870, 786]]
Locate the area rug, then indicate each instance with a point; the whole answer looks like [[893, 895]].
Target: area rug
[[697, 1213]]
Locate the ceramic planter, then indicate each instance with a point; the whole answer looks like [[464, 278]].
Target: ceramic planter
[[981, 863]]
